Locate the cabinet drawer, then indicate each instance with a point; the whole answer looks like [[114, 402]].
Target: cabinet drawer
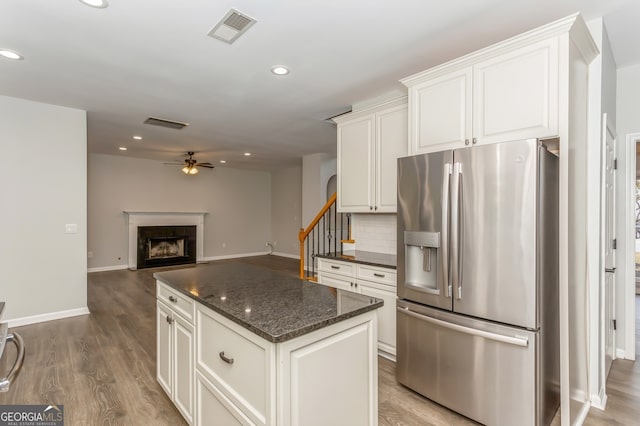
[[337, 267], [214, 407], [337, 281], [378, 275], [177, 301], [237, 363]]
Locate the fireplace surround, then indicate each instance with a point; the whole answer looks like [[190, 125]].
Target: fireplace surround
[[137, 219]]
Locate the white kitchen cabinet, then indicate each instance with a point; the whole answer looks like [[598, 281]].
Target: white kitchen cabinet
[[238, 363], [372, 281], [175, 346], [313, 388], [369, 143], [243, 379], [499, 94]]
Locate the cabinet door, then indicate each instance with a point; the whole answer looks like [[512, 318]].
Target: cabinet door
[[515, 95], [440, 113], [355, 165], [391, 143], [386, 314], [164, 347], [183, 348]]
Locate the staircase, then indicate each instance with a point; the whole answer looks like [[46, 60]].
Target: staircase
[[325, 235]]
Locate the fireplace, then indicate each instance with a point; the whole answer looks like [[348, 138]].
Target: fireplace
[[141, 219], [166, 246]]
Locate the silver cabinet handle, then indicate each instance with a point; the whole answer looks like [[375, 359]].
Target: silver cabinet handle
[[518, 341], [466, 141], [225, 359], [474, 141], [375, 207], [173, 299], [612, 270], [378, 275], [370, 207], [5, 383], [169, 319]]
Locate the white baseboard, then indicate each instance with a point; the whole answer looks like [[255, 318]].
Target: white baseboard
[[582, 415], [599, 401], [18, 322], [203, 260], [233, 256], [290, 256], [108, 268], [621, 353]]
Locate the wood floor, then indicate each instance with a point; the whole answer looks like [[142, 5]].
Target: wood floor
[[101, 367]]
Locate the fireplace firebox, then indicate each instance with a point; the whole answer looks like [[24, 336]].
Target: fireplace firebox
[[166, 246]]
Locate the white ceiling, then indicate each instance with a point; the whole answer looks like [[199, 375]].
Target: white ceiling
[[141, 58]]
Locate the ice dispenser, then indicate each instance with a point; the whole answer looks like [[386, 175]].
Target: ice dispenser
[[421, 260]]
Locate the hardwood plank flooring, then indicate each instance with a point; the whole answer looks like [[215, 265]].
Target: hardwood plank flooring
[[102, 366]]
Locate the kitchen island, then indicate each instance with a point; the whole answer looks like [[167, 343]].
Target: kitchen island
[[241, 344]]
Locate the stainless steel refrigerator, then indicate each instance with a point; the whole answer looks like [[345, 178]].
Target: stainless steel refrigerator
[[477, 310]]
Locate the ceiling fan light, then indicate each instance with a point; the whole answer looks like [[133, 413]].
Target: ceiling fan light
[[193, 171], [185, 170]]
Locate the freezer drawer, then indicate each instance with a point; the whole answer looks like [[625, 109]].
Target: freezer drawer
[[485, 371]]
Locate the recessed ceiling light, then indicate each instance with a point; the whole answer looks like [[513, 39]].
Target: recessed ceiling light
[[100, 4], [223, 161], [10, 54], [247, 154], [280, 70], [122, 148], [138, 138]]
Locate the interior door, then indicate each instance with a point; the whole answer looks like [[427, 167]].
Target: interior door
[[609, 246]]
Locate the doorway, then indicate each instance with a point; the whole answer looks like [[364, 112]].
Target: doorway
[[627, 285]]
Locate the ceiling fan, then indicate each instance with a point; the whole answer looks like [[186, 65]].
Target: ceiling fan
[[191, 164]]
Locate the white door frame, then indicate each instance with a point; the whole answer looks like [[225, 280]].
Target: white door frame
[[629, 282]]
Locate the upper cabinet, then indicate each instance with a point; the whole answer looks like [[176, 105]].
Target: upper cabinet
[[499, 94], [369, 143]]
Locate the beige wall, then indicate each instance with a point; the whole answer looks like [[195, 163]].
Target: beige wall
[[43, 174], [286, 210], [238, 203]]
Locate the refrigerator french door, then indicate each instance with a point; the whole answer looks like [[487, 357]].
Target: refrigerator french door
[[477, 280]]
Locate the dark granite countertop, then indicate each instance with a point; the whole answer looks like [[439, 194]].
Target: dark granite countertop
[[271, 304], [365, 257]]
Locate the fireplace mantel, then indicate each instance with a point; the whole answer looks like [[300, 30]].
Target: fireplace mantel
[[154, 218]]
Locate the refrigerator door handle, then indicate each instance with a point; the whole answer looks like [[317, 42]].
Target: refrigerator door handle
[[517, 341], [444, 243], [455, 230]]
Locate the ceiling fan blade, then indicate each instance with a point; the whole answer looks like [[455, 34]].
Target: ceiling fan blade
[[174, 164], [207, 164]]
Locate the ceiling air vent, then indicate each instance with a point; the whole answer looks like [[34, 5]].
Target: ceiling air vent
[[232, 26], [165, 123]]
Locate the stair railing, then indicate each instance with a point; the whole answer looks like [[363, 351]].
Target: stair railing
[[320, 237]]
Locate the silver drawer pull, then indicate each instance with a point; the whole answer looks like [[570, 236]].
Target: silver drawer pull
[[335, 267], [225, 359], [5, 383], [169, 319], [173, 299], [378, 275]]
